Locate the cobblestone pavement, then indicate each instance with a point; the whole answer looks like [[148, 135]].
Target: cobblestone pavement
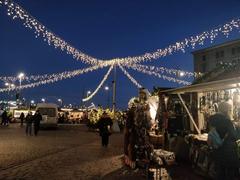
[[66, 153]]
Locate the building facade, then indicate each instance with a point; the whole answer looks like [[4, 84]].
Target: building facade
[[207, 59]]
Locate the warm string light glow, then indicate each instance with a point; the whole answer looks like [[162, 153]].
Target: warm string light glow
[[40, 77], [58, 77], [130, 77], [192, 41], [171, 71], [171, 79], [17, 12], [99, 86]]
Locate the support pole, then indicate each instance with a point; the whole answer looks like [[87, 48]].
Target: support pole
[[189, 114], [115, 126], [114, 89]]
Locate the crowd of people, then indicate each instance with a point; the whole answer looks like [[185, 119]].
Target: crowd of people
[[32, 121]]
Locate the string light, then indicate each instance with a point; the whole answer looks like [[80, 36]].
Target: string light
[[99, 86], [59, 77], [171, 79], [130, 77], [170, 71], [17, 12], [192, 41]]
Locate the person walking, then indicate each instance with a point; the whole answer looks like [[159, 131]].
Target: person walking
[[22, 118], [36, 120], [104, 124], [29, 120], [4, 118]]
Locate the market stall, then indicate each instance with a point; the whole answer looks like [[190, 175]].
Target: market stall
[[199, 102]]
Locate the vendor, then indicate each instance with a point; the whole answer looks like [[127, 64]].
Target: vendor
[[222, 138]]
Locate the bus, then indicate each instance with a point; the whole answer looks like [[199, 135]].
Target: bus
[[49, 112]]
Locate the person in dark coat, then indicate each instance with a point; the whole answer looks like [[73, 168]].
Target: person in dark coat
[[36, 120], [4, 118], [225, 154], [22, 118], [104, 124], [29, 120]]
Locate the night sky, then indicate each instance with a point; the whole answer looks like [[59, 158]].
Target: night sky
[[105, 29]]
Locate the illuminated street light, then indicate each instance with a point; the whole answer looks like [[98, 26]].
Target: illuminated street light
[[21, 77], [89, 92], [107, 89], [181, 74], [43, 100], [9, 86], [32, 101], [60, 101]]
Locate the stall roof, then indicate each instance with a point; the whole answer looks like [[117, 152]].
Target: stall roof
[[208, 86]]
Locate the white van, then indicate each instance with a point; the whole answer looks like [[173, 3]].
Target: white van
[[49, 112]]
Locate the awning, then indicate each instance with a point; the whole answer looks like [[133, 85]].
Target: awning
[[208, 86]]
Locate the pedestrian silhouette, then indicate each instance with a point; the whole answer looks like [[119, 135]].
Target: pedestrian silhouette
[[29, 120], [36, 120], [22, 116], [104, 124]]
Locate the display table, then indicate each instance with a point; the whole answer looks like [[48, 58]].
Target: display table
[[160, 163], [200, 155]]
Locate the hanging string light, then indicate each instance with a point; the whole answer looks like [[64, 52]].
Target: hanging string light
[[161, 69], [41, 77], [17, 12], [130, 77], [171, 79], [59, 77], [99, 86], [192, 41]]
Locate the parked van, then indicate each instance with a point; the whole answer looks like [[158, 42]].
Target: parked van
[[49, 112]]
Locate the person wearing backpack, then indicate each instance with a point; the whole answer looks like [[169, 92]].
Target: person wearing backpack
[[222, 139]]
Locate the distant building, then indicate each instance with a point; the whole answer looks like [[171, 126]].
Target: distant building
[[206, 60]]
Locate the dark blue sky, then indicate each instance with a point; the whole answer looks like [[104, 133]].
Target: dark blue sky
[[106, 29]]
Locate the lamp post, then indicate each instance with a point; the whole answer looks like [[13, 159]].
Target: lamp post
[[88, 93], [107, 89], [43, 100], [60, 101], [20, 77], [9, 86]]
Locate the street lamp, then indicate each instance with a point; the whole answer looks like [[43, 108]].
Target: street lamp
[[107, 89], [43, 100], [20, 77], [181, 74], [32, 101], [89, 92], [60, 101], [9, 86]]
